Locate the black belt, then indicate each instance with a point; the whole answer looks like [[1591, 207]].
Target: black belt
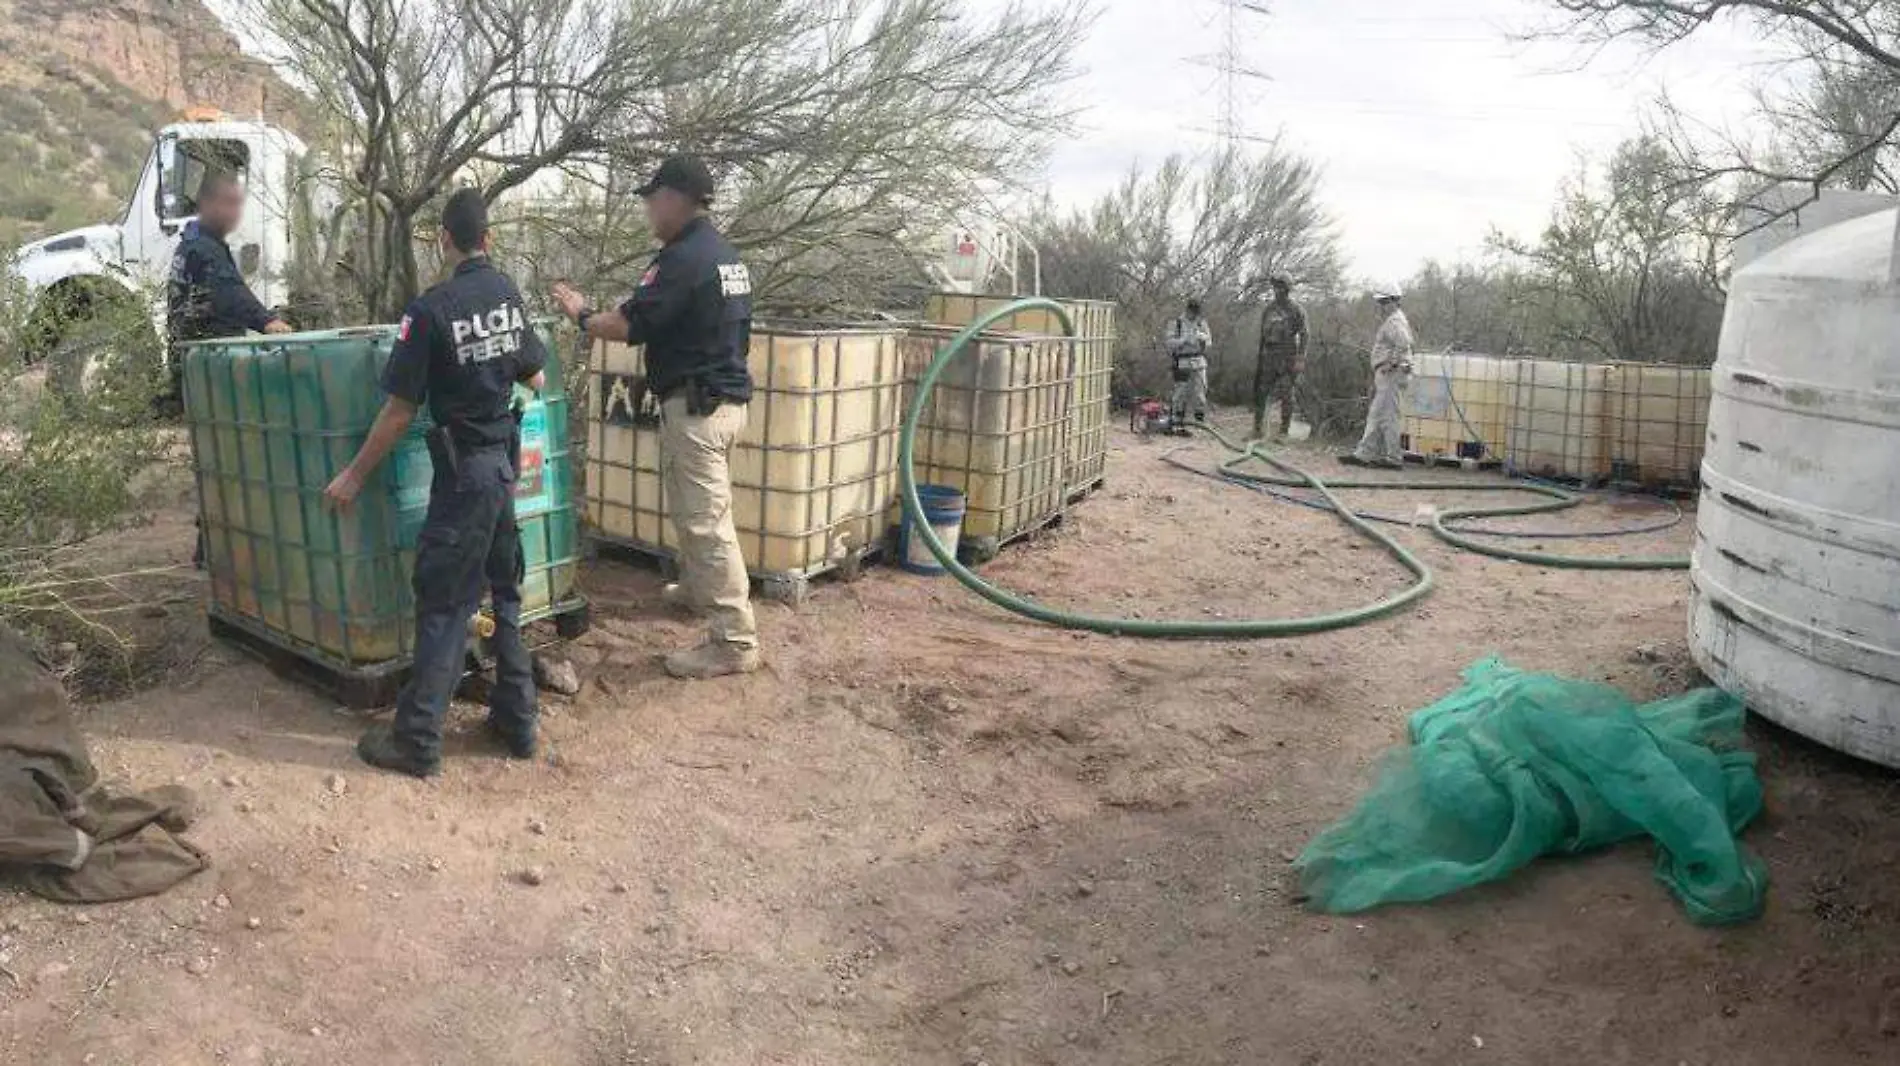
[[707, 402]]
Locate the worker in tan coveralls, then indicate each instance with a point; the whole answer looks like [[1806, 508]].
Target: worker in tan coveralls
[[693, 312], [1391, 372]]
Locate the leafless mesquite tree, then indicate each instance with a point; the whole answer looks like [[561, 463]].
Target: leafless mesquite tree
[[1832, 111], [1628, 268], [1833, 121], [836, 125]]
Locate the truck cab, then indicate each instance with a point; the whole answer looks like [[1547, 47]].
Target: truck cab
[[74, 279]]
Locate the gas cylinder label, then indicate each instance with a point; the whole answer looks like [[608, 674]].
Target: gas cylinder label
[[531, 485]]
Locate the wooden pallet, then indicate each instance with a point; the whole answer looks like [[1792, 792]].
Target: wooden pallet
[[975, 551], [359, 686], [1078, 493], [1571, 481], [790, 589], [1668, 490], [1450, 461]]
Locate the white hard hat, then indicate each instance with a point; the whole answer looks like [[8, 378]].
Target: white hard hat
[[1388, 292]]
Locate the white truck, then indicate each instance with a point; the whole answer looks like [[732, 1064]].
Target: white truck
[[80, 279], [976, 255]]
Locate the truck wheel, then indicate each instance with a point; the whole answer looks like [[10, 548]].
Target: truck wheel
[[52, 317], [106, 370]]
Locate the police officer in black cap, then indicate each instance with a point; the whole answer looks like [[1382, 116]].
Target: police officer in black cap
[[461, 348], [693, 312]]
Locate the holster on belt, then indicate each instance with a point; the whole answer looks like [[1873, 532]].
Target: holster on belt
[[443, 451], [700, 400]]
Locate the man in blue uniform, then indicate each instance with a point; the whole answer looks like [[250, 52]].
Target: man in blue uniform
[[461, 348], [693, 312], [206, 297]]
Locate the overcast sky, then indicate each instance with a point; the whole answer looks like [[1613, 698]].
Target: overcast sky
[[1430, 122]]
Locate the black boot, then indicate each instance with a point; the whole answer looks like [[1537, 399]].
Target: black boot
[[380, 748], [517, 743]]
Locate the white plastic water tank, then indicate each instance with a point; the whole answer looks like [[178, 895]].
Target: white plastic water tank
[[1782, 213], [1796, 601]]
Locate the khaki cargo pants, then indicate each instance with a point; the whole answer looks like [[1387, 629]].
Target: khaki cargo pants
[[697, 480]]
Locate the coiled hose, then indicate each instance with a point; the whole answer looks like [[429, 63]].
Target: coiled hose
[[1288, 476], [1669, 521]]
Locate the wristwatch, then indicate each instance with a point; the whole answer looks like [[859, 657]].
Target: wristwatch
[[581, 319]]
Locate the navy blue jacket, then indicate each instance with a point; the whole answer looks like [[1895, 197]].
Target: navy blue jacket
[[693, 311], [461, 347], [207, 297]]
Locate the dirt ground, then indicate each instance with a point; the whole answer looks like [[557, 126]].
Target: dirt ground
[[930, 833]]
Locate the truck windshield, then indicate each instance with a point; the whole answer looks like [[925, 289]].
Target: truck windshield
[[193, 160]]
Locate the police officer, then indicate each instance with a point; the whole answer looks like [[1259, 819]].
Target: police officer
[[461, 348], [206, 297], [693, 312]]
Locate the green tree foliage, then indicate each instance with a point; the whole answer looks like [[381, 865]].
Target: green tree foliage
[[1495, 306], [67, 469], [840, 128]]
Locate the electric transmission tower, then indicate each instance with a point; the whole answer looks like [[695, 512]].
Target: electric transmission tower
[[1237, 18]]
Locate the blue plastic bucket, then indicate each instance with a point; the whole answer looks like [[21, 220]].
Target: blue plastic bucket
[[943, 509]]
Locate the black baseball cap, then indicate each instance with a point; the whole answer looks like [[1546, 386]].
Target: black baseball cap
[[681, 173]]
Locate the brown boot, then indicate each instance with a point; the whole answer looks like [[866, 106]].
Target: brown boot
[[673, 596], [712, 659]]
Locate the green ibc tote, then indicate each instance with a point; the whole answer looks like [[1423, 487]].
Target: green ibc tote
[[272, 420]]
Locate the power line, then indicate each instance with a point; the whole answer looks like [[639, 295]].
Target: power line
[[1231, 64], [1500, 116]]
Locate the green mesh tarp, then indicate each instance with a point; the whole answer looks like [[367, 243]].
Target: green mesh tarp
[[1515, 765]]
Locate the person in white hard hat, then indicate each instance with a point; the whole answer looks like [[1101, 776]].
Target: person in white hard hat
[[1391, 370]]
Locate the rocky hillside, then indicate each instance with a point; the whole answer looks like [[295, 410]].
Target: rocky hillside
[[84, 83]]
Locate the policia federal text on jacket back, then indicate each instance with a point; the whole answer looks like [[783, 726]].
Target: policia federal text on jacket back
[[693, 312], [461, 348]]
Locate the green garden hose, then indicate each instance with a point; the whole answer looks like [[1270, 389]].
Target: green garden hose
[[1290, 476], [1131, 627], [1554, 499]]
